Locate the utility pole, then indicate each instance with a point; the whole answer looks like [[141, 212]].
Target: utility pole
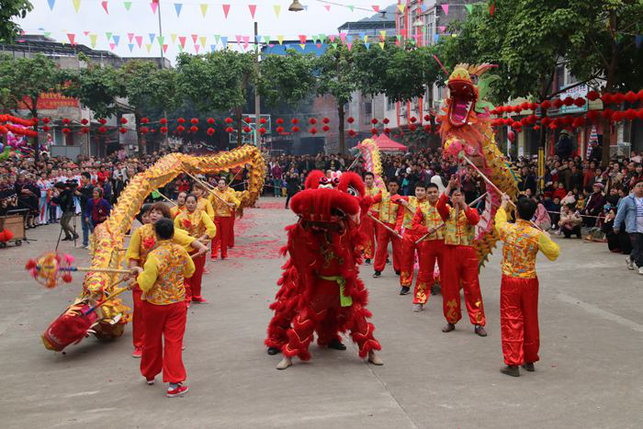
[[257, 98]]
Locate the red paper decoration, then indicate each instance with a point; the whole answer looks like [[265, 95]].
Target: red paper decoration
[[144, 130], [262, 131], [325, 120], [631, 97], [66, 131], [229, 130], [279, 121], [247, 129], [144, 120], [46, 128], [545, 104], [294, 121], [163, 121], [558, 103], [46, 120], [194, 129], [210, 121], [387, 130], [295, 129], [413, 119], [180, 128], [373, 131], [228, 120], [312, 121], [210, 131], [123, 121], [263, 121], [280, 129], [66, 121], [412, 127], [427, 128], [385, 121], [374, 121], [84, 121], [593, 95], [102, 130], [194, 121], [427, 118], [607, 98], [351, 133], [247, 120], [84, 130], [180, 121], [326, 128], [164, 130], [122, 130], [350, 120], [313, 131]]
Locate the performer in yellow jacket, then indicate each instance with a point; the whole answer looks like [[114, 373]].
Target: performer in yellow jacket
[[200, 226], [180, 204], [519, 287], [162, 281], [224, 202]]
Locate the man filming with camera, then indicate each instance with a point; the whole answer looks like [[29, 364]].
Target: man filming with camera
[[64, 197]]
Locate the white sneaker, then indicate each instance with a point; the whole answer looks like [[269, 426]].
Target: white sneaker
[[641, 270], [630, 263], [418, 307]]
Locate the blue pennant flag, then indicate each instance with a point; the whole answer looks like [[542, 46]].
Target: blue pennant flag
[[51, 4], [368, 46], [213, 48], [116, 38], [152, 35], [224, 41], [130, 46], [177, 7], [436, 37], [258, 39]]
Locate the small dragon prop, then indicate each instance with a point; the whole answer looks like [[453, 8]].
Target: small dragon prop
[[108, 240], [466, 133]]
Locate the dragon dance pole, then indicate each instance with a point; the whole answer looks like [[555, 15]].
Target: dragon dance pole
[[167, 199], [359, 155], [384, 225], [207, 187]]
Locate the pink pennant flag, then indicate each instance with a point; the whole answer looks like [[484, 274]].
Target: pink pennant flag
[[442, 28], [342, 36], [196, 47], [226, 10], [165, 48], [302, 38], [445, 8], [112, 46], [403, 32], [72, 38], [130, 36], [246, 40], [239, 38], [182, 41], [332, 39], [105, 7], [349, 45], [86, 33], [139, 41], [194, 37], [327, 7], [154, 5], [376, 8], [253, 9]]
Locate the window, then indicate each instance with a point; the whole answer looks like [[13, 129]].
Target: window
[[390, 104]]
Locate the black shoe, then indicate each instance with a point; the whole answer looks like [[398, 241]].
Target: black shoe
[[76, 236], [479, 330], [529, 367], [448, 328], [367, 262], [436, 289], [405, 290], [376, 274], [272, 351], [336, 345], [510, 370], [397, 273]]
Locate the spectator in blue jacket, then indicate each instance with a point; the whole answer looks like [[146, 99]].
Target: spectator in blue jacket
[[98, 209], [630, 213]]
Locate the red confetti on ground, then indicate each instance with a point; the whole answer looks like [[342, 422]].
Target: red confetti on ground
[[261, 246], [273, 205]]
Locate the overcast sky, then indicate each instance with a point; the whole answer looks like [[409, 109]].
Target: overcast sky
[[319, 18]]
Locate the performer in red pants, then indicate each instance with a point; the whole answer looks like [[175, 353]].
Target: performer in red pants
[[223, 201], [367, 225], [460, 262], [162, 281], [427, 220], [388, 216], [519, 287], [200, 226]]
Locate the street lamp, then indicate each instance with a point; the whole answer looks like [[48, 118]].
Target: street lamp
[[295, 6]]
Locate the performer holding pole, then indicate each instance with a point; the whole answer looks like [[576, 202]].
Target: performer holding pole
[[519, 287], [162, 280], [368, 225], [200, 226], [224, 201], [460, 262], [386, 230], [179, 207]]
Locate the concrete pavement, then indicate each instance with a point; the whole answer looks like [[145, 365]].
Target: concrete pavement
[[589, 374]]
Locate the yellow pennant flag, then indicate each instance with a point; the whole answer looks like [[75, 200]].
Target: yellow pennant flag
[[281, 39], [401, 8], [204, 9], [365, 39], [203, 40], [303, 46], [173, 36], [149, 47], [383, 34], [277, 9], [92, 39], [381, 45], [76, 5]]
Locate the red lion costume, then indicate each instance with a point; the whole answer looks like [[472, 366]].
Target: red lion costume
[[320, 288]]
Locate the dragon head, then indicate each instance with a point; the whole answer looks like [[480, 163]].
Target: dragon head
[[327, 201], [463, 96]]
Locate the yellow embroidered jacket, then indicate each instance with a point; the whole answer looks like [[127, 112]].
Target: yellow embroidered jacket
[[163, 278]]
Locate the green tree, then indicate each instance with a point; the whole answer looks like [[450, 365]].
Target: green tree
[[8, 10], [217, 81], [22, 81], [286, 78], [337, 76], [605, 46]]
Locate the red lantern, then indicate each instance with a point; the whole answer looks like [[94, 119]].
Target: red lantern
[[568, 101], [164, 130], [427, 118], [295, 129], [46, 120], [262, 131], [210, 121], [294, 121], [144, 120], [84, 121], [210, 131], [263, 121], [180, 128], [280, 129], [607, 113], [325, 120], [180, 121], [66, 121], [326, 128], [558, 103], [580, 102], [536, 127], [427, 128], [194, 129], [630, 114], [229, 130], [46, 128], [374, 131], [639, 114], [122, 130], [247, 120], [351, 133], [631, 97], [194, 121], [123, 121], [163, 121], [84, 130], [385, 121], [228, 120], [144, 130], [593, 95], [387, 130], [593, 114], [102, 130], [279, 121], [313, 131], [66, 131], [607, 98], [619, 98], [412, 127], [533, 106], [617, 116], [350, 120], [312, 121], [413, 119], [247, 129], [374, 121], [524, 106], [545, 104]]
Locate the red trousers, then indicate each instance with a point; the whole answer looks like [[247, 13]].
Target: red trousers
[[367, 226], [193, 284], [519, 320], [222, 238], [138, 329], [461, 271], [383, 238], [164, 322], [428, 252]]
